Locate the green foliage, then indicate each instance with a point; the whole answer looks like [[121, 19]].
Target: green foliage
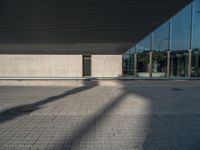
[[159, 56]]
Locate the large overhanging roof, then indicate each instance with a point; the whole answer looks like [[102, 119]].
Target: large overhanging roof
[[80, 26]]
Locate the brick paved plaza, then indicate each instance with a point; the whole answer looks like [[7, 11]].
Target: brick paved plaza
[[128, 115]]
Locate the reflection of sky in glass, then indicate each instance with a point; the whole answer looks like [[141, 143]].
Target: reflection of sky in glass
[[145, 44], [161, 36], [196, 24], [180, 29]]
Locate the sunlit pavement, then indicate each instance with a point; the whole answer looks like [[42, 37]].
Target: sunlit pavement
[[134, 115]]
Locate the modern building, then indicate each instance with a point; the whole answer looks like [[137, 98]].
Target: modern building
[[171, 50], [69, 39]]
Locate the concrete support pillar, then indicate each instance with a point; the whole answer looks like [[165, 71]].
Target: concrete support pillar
[[150, 64], [135, 65], [196, 65], [168, 64], [189, 63], [178, 65], [172, 66]]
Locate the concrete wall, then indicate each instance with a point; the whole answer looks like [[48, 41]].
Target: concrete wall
[[106, 65], [40, 65]]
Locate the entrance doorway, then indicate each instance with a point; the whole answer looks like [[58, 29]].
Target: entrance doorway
[[86, 65]]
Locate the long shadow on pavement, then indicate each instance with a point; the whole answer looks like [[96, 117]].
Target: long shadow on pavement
[[101, 114], [166, 130], [17, 111], [174, 119], [85, 128]]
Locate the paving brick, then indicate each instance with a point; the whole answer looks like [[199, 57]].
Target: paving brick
[[130, 115]]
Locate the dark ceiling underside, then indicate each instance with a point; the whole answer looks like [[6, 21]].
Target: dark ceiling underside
[[80, 26]]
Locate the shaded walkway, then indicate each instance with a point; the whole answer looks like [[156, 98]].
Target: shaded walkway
[[17, 111], [135, 116]]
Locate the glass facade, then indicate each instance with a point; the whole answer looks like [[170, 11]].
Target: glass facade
[[128, 64], [143, 64], [195, 69], [172, 50], [179, 64], [159, 64]]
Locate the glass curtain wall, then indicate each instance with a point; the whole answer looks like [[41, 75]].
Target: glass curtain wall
[[179, 64], [195, 69], [170, 45], [196, 25], [160, 46], [159, 64], [143, 49], [128, 64], [195, 65], [143, 64], [181, 29]]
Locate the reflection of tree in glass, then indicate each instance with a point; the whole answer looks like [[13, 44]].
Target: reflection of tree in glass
[[159, 56], [143, 61], [159, 61], [144, 57], [128, 63]]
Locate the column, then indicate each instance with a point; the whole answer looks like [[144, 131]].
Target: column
[[178, 65], [168, 64], [135, 64], [189, 63], [172, 66], [196, 64], [150, 64]]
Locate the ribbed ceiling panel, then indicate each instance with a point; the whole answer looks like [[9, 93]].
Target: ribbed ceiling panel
[[67, 22]]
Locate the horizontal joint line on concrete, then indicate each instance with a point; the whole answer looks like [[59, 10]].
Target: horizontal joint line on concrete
[[96, 78]]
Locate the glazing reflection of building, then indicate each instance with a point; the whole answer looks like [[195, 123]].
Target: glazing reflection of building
[[172, 50]]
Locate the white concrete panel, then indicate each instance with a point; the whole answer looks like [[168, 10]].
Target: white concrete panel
[[40, 65], [106, 65]]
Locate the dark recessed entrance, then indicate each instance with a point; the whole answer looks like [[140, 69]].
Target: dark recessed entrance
[[86, 65]]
